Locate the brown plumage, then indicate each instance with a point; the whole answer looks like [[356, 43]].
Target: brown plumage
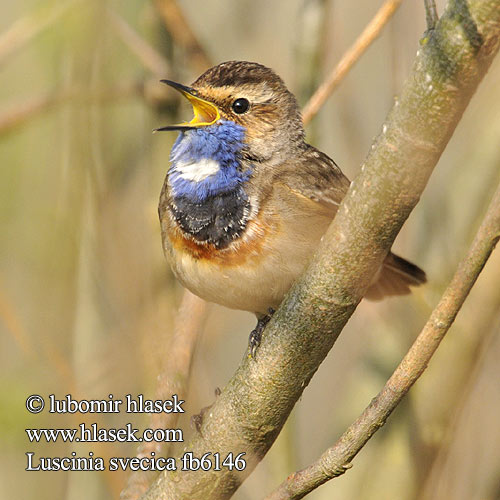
[[286, 203]]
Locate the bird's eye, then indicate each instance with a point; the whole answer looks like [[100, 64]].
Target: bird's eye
[[240, 105]]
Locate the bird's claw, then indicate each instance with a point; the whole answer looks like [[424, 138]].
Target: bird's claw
[[256, 334]]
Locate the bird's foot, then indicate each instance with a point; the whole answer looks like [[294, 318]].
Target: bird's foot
[[197, 419], [256, 334]]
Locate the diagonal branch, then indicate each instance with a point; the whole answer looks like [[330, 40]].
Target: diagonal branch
[[336, 460], [250, 412]]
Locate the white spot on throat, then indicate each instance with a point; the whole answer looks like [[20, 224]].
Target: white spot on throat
[[197, 171]]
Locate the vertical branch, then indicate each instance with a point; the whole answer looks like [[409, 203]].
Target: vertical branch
[[311, 24], [174, 375], [173, 379], [308, 46]]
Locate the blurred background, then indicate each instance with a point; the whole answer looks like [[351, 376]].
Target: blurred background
[[88, 304]]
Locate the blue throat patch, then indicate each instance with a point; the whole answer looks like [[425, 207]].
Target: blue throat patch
[[222, 143]]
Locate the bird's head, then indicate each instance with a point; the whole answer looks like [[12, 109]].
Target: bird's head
[[251, 96]]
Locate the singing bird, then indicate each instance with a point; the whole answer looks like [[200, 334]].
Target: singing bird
[[246, 200]]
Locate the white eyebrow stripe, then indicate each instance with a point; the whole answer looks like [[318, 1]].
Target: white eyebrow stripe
[[199, 170]]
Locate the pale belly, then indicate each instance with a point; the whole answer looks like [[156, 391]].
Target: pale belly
[[252, 287], [260, 280]]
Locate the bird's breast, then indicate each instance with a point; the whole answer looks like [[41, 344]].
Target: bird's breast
[[246, 274], [246, 247], [214, 221], [254, 270]]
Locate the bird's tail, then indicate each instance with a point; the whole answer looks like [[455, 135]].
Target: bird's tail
[[395, 278]]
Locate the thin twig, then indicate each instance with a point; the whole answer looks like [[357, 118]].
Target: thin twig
[[178, 26], [431, 14], [149, 57], [337, 459], [350, 58], [173, 379]]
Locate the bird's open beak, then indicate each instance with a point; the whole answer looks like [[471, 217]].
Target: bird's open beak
[[205, 113]]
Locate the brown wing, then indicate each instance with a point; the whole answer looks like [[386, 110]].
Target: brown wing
[[318, 178]]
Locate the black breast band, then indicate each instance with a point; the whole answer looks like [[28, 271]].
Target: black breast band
[[218, 219]]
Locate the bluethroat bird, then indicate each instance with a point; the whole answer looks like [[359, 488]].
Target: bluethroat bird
[[246, 200]]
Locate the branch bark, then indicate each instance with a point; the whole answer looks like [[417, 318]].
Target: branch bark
[[253, 407], [336, 460]]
